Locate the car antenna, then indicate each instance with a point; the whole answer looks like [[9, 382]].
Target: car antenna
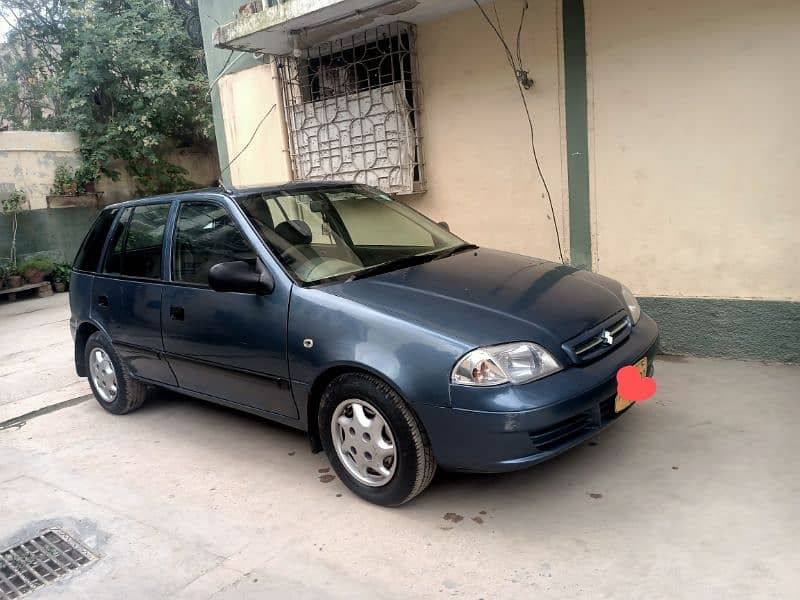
[[220, 183]]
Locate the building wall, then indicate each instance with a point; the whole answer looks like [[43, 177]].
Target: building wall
[[481, 176], [693, 146], [220, 62], [201, 164], [245, 98], [28, 161]]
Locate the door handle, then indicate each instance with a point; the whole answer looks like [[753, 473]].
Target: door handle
[[176, 313], [103, 301]]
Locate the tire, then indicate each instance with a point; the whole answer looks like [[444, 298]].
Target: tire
[[413, 461], [129, 395]]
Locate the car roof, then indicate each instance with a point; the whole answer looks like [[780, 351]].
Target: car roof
[[295, 185], [236, 192]]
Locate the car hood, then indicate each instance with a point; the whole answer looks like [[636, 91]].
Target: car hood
[[485, 296]]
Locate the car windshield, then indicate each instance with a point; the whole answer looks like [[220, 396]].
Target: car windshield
[[352, 231]]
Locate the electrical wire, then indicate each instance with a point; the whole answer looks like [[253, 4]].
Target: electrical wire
[[509, 56], [516, 67], [250, 141], [228, 64], [519, 30], [497, 17]]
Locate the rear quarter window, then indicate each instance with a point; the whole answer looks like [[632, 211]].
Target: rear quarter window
[[88, 255]]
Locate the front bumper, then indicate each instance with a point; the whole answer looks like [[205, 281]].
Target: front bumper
[[510, 427]]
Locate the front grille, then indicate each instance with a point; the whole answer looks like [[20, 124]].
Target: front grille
[[561, 433], [38, 561], [595, 342]]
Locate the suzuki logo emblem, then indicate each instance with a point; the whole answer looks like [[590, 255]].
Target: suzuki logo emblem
[[607, 337]]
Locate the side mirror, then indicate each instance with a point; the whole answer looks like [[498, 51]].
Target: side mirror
[[444, 225], [239, 276]]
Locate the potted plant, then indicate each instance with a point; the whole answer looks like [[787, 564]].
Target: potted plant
[[85, 179], [64, 182], [3, 275], [36, 268], [73, 187], [13, 204], [61, 274], [14, 277]]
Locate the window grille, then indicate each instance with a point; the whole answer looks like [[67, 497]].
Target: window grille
[[352, 110]]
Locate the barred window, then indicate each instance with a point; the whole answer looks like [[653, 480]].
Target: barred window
[[352, 108]]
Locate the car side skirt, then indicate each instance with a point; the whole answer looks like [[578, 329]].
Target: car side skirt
[[294, 423]]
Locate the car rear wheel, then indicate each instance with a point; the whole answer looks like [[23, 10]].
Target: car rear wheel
[[375, 443], [113, 387]]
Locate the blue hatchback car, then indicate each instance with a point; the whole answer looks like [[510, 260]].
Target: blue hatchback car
[[330, 307]]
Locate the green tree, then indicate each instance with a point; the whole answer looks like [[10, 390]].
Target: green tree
[[123, 74]]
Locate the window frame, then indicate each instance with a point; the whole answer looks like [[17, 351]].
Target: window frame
[[298, 74], [101, 255], [106, 246], [173, 232]]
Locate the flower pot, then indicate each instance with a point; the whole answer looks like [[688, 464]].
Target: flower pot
[[89, 200], [15, 281], [2, 283], [59, 286], [34, 276]]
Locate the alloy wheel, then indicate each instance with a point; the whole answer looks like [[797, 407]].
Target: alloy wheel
[[103, 375], [364, 442]]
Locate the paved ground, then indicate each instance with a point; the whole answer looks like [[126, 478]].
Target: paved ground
[[694, 494]]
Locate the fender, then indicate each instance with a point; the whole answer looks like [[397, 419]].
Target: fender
[[328, 332]]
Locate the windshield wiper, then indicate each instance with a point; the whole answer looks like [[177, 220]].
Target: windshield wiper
[[456, 250], [409, 261]]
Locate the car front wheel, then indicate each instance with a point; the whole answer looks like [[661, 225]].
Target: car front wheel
[[375, 443]]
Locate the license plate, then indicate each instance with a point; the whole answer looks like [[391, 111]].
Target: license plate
[[621, 403]]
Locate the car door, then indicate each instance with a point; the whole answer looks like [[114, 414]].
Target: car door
[[126, 292], [230, 346]]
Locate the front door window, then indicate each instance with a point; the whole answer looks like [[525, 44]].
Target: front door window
[[205, 235]]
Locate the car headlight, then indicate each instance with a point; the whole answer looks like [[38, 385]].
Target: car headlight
[[518, 362], [633, 304]]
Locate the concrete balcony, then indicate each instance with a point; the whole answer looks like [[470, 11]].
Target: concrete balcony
[[279, 27]]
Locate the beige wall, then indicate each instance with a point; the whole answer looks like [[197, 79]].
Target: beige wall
[[481, 177], [476, 142], [201, 165], [245, 97], [694, 146], [28, 161]]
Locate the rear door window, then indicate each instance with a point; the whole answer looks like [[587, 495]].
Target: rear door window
[[136, 242], [89, 253]]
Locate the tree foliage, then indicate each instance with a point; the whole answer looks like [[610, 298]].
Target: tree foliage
[[123, 74]]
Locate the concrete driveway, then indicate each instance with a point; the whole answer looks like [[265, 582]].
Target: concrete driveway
[[693, 494]]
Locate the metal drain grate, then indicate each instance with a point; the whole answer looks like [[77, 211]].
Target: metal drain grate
[[38, 561]]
